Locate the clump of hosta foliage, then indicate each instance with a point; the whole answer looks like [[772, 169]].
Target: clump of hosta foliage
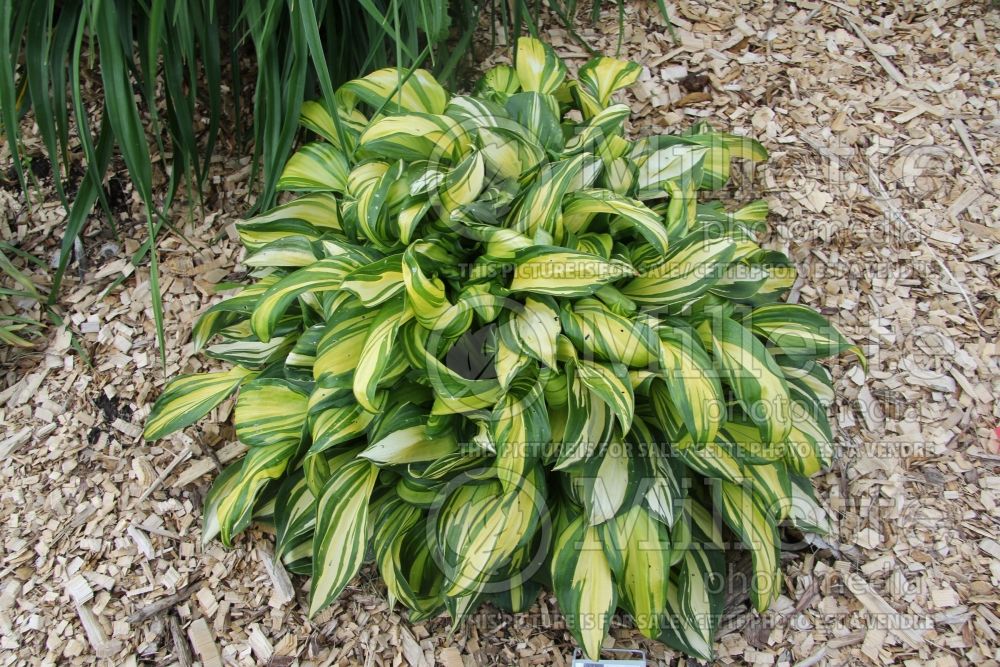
[[493, 344]]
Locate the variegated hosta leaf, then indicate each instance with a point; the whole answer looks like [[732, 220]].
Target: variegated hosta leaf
[[339, 348], [316, 167], [589, 422], [519, 425], [270, 411], [606, 481], [501, 79], [696, 602], [315, 116], [476, 112], [260, 466], [409, 445], [377, 282], [341, 531], [188, 398], [426, 295], [758, 532], [542, 203], [564, 273], [771, 487], [746, 148], [532, 331], [404, 559], [639, 550], [721, 149], [808, 377], [604, 125], [319, 467], [220, 489], [299, 362], [376, 354], [740, 281], [681, 208], [691, 383], [324, 275], [781, 275], [691, 269], [375, 184], [799, 331], [713, 461], [397, 91], [584, 584], [309, 216], [665, 492], [601, 77], [454, 393], [754, 377], [509, 153], [414, 136], [464, 183], [609, 337], [610, 383], [806, 513], [284, 252], [744, 440], [809, 447], [338, 420], [294, 520], [518, 586], [538, 68], [583, 205], [480, 526], [674, 163]]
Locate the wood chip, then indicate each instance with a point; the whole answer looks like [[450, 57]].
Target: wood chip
[[142, 542], [902, 625], [11, 443], [204, 644], [164, 603], [182, 649], [284, 591], [79, 590], [259, 644], [103, 647]]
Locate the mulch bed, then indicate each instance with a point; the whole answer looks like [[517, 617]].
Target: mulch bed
[[882, 123]]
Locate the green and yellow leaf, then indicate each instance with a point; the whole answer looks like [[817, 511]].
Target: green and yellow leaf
[[643, 571], [755, 378], [398, 91], [691, 269], [270, 411], [758, 532], [561, 272], [316, 167], [341, 531], [584, 585], [188, 398], [539, 69]]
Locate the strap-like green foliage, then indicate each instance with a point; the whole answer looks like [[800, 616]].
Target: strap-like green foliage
[[497, 344]]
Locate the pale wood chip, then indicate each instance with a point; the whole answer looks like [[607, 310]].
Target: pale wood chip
[[204, 644]]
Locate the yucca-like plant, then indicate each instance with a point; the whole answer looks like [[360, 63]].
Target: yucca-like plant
[[15, 329], [494, 344]]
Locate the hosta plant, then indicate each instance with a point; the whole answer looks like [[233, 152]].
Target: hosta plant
[[493, 344]]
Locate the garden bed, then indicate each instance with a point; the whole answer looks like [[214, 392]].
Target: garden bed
[[883, 134]]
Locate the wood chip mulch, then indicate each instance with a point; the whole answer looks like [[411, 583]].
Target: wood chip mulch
[[882, 123]]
